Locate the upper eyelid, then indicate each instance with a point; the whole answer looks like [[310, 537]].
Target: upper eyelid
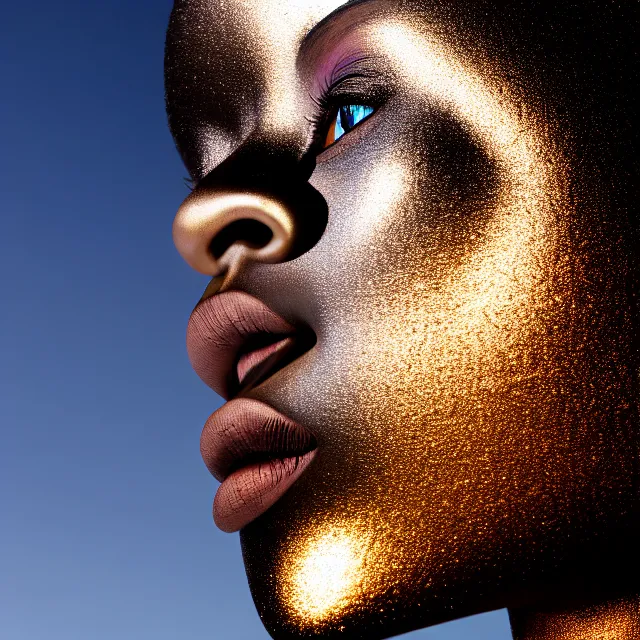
[[358, 80], [364, 66], [337, 25], [352, 64]]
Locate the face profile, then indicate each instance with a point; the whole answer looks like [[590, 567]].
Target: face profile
[[418, 222]]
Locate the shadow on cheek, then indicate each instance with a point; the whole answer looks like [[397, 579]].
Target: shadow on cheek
[[453, 166]]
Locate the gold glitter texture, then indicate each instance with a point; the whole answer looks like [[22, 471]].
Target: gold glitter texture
[[614, 620], [469, 388], [325, 573]]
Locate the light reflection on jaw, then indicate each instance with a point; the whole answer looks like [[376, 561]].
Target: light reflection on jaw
[[326, 573]]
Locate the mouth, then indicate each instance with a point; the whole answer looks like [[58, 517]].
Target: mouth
[[257, 453], [235, 342]]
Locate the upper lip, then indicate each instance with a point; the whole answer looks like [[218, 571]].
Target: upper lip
[[234, 328]]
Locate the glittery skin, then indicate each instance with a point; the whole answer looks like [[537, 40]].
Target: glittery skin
[[473, 385], [618, 619]]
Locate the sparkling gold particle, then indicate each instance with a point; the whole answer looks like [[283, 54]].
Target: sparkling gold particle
[[327, 574], [615, 620]]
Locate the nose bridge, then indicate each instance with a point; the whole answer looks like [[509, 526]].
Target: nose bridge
[[249, 209]]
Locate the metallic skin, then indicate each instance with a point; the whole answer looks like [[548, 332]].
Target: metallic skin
[[618, 619], [473, 388], [206, 214]]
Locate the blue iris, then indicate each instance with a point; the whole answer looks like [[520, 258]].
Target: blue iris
[[349, 116]]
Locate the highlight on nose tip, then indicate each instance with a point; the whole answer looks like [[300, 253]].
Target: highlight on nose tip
[[213, 230]]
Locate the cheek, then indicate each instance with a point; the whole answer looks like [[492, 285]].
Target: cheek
[[439, 294], [447, 317], [450, 386], [413, 196]]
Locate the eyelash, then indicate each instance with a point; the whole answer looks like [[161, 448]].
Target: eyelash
[[326, 106], [334, 96]]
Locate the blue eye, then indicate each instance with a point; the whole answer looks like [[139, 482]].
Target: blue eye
[[347, 117]]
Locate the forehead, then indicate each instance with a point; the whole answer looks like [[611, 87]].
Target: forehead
[[269, 31], [276, 21], [284, 21]]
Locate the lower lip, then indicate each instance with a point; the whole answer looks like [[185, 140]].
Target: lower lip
[[248, 492]]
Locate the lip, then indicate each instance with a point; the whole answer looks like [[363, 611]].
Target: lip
[[234, 340], [257, 453]]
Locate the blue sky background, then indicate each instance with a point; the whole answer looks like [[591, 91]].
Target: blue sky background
[[106, 505]]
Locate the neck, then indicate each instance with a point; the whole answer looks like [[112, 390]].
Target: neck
[[616, 619]]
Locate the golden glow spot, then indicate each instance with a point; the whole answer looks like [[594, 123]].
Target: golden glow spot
[[326, 575]]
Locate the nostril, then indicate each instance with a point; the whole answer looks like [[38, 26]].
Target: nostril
[[252, 233], [216, 231]]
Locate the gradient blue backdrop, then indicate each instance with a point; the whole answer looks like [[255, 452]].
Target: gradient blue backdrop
[[106, 505]]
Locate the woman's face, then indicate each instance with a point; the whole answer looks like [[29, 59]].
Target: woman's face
[[458, 428]]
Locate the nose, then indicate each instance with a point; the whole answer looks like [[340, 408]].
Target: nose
[[215, 230], [254, 207]]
